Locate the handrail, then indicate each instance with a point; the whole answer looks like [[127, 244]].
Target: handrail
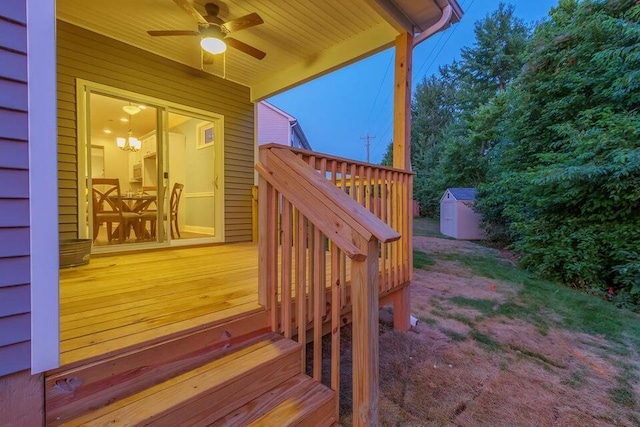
[[319, 154]]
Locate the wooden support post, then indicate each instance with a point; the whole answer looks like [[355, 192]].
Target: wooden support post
[[402, 103], [402, 309], [402, 160], [364, 297]]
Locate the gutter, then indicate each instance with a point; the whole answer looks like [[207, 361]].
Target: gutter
[[444, 20]]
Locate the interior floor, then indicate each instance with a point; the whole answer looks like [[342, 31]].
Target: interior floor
[[102, 239], [118, 301]]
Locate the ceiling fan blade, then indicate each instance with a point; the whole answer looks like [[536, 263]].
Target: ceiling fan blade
[[243, 47], [173, 33], [212, 19], [187, 6], [207, 58], [241, 23]]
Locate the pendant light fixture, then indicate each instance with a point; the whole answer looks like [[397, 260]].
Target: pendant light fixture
[[130, 143]]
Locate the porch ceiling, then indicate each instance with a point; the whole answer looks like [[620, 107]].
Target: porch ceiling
[[303, 39]]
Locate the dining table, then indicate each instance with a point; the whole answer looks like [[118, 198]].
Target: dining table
[[136, 203]]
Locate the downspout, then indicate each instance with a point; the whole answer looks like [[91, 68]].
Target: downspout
[[444, 20]]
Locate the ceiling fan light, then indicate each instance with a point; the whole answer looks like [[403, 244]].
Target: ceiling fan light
[[213, 45]]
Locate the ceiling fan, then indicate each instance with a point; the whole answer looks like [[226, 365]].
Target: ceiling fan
[[214, 31]]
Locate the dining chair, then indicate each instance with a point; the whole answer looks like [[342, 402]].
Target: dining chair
[[108, 208], [150, 211], [174, 205]]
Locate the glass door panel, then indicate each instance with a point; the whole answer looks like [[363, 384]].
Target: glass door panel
[[122, 190], [192, 179]]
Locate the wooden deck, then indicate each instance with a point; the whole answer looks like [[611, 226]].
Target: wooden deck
[[119, 301]]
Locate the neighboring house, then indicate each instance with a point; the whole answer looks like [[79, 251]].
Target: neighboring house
[[458, 219], [141, 147], [275, 125]]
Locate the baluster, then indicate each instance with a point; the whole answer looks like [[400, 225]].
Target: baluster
[[336, 306], [390, 224], [396, 226], [406, 219], [319, 309], [301, 286], [272, 243], [343, 176], [368, 193], [361, 190], [334, 171], [354, 191], [410, 232], [286, 267], [311, 272], [376, 196]]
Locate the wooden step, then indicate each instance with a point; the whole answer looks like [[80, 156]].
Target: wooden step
[[300, 401], [208, 392], [82, 387]]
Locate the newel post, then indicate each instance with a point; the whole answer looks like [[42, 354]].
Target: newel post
[[364, 299], [267, 238]]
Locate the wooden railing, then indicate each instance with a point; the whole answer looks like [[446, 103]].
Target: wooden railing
[[385, 192], [314, 239]]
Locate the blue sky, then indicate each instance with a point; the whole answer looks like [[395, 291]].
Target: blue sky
[[339, 108]]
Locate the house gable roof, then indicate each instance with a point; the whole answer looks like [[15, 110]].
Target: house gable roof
[[279, 111]]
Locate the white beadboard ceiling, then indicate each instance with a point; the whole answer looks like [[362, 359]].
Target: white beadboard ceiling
[[302, 38]]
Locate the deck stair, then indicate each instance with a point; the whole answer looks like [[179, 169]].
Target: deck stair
[[259, 384]]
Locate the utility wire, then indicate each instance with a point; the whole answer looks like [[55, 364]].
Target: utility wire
[[367, 122]]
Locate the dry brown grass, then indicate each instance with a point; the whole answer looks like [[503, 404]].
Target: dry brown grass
[[467, 366]]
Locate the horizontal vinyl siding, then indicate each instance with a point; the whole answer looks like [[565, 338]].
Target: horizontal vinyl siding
[[90, 56], [272, 126], [15, 290]]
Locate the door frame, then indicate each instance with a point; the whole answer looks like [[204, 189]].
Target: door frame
[[83, 90]]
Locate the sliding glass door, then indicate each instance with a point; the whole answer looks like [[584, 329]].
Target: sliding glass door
[[151, 174]]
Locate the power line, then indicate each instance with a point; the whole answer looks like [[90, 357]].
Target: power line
[[368, 139], [442, 47], [379, 89]]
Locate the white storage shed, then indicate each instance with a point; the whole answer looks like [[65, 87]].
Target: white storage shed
[[457, 217]]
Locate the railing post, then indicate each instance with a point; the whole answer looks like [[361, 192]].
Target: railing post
[[364, 297], [265, 254]]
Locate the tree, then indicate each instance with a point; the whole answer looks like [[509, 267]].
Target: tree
[[455, 115], [495, 58], [566, 181]]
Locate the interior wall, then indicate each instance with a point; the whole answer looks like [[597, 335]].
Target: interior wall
[[90, 56], [199, 211], [116, 161]]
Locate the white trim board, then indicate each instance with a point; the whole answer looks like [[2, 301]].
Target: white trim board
[[43, 188], [198, 229]]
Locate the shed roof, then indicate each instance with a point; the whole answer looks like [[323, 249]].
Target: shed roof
[[463, 193]]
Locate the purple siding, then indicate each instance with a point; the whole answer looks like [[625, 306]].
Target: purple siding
[[15, 319]]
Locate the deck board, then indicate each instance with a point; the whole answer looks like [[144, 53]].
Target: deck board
[[121, 300]]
